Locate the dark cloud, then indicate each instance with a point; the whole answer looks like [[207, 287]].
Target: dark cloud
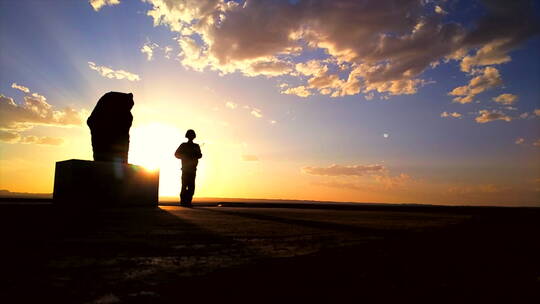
[[381, 46]]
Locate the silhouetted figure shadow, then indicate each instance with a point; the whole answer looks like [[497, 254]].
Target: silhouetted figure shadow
[[189, 152], [109, 124]]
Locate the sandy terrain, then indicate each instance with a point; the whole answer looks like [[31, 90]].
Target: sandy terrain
[[249, 252]]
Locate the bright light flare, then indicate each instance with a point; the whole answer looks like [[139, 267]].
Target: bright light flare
[[152, 146]]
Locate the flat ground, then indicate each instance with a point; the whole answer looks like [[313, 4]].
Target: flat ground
[[257, 253]]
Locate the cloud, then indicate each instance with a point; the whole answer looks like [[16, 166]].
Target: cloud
[[35, 110], [369, 46], [312, 68], [113, 74], [148, 50], [506, 99], [339, 170], [14, 137], [300, 91], [98, 4], [488, 78], [519, 141], [9, 137], [256, 112], [231, 105], [393, 181], [499, 31], [167, 50], [480, 188], [488, 116], [440, 10], [489, 54], [20, 88], [380, 182], [453, 114], [248, 157]]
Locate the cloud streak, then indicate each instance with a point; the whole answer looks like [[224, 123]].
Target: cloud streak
[[98, 4], [110, 73], [20, 88], [13, 137], [340, 170], [452, 114]]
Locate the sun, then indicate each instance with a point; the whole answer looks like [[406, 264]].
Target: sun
[[152, 146]]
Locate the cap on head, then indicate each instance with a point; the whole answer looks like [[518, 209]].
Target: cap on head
[[190, 134]]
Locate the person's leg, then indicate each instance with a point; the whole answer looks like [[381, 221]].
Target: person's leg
[[183, 195], [190, 187]]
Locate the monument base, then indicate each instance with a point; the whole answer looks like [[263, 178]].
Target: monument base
[[103, 184]]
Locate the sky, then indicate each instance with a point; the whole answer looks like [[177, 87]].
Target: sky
[[388, 101]]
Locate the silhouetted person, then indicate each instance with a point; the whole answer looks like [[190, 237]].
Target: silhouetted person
[[109, 124], [189, 152]]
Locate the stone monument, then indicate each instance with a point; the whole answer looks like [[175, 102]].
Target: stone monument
[[108, 180], [100, 183]]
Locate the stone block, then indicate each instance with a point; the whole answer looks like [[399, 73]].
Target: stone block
[[104, 184]]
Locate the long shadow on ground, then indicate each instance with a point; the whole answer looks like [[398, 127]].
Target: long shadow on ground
[[159, 256]]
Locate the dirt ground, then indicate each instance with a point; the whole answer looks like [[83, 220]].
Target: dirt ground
[[268, 253]]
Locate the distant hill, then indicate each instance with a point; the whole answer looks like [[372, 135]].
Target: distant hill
[[9, 194]]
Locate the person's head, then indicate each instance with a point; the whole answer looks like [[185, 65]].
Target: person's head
[[190, 134]]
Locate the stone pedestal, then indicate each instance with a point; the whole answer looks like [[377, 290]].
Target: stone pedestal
[[104, 184]]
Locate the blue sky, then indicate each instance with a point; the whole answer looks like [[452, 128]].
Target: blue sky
[[47, 47]]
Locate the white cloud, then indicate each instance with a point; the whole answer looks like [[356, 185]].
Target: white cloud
[[488, 116], [256, 112], [488, 78], [110, 73], [300, 91], [231, 105], [385, 56], [506, 99], [148, 50], [167, 50], [20, 88], [452, 114], [98, 4]]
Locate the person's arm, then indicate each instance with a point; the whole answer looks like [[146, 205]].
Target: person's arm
[[178, 153], [198, 153]]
